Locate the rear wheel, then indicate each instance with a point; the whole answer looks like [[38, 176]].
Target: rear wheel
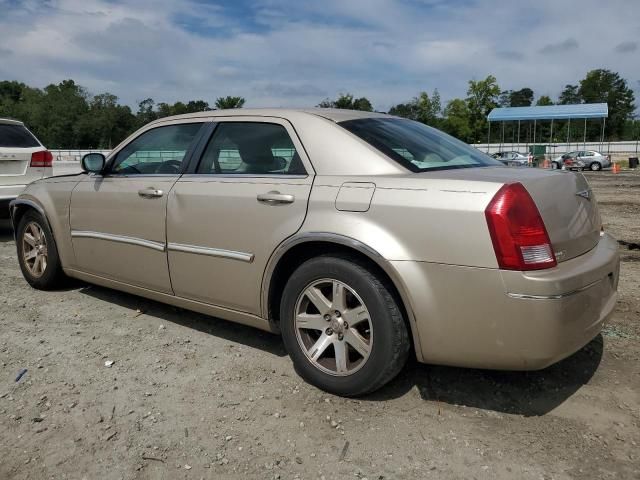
[[342, 326], [37, 252], [595, 167], [555, 166]]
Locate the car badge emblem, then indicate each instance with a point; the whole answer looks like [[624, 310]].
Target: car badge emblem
[[586, 194]]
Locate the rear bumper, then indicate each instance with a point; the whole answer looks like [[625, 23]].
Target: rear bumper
[[488, 318]]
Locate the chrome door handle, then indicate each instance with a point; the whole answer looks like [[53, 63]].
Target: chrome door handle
[[275, 198], [150, 193]]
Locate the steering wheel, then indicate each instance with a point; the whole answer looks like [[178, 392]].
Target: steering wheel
[[170, 166]]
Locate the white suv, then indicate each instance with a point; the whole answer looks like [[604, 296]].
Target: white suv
[[23, 159]]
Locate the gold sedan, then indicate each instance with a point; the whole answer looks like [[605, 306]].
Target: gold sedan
[[360, 237]]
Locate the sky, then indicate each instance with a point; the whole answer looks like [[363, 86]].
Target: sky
[[295, 53]]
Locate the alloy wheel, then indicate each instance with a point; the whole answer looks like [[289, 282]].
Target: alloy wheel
[[333, 327], [34, 249]]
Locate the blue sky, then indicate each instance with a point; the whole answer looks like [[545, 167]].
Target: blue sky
[[295, 53]]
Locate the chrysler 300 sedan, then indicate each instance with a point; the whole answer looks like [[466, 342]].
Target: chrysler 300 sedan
[[359, 237]]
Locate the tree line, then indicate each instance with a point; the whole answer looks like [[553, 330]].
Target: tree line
[[67, 116]]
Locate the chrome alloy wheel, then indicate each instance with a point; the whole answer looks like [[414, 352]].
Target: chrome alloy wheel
[[34, 249], [333, 327]]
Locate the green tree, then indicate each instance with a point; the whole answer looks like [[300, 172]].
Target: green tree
[[406, 110], [348, 102], [482, 97], [423, 108], [105, 124], [55, 113], [605, 86], [544, 100], [521, 98], [457, 120], [146, 112], [229, 102], [570, 95], [516, 98]]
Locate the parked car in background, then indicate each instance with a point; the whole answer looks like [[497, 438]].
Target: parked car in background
[[512, 158], [359, 237], [582, 159], [23, 159]]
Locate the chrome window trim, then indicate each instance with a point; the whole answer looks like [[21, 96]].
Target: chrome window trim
[[211, 252], [554, 297], [245, 175], [141, 242]]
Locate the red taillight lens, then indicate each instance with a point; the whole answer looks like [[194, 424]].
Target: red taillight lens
[[42, 159], [519, 236]]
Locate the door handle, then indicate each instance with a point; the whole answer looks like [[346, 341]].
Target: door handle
[[150, 193], [275, 198]]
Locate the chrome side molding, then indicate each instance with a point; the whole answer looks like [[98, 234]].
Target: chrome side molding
[[141, 242], [161, 247], [211, 252]]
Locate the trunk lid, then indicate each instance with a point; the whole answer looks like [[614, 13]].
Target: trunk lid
[[566, 203]]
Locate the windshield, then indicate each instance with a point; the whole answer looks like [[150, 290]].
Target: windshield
[[416, 146]]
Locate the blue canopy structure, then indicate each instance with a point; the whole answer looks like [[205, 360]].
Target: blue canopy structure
[[550, 112], [582, 111]]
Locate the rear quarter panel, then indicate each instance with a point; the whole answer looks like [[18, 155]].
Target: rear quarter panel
[[439, 221]]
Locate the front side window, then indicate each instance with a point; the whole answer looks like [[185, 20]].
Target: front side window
[[16, 136], [158, 151], [416, 146], [251, 148]]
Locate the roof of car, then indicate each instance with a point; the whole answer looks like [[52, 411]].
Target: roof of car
[[333, 114], [10, 121]]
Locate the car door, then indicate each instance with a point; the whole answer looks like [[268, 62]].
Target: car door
[[118, 218], [247, 193]]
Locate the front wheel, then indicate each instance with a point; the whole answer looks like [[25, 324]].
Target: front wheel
[[595, 167], [342, 326], [37, 252], [554, 166]]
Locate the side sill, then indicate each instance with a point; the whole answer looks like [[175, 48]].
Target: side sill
[[200, 307]]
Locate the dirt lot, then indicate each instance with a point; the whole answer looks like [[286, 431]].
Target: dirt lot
[[194, 397]]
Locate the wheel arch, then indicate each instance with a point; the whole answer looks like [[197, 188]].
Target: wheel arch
[[296, 250], [20, 206]]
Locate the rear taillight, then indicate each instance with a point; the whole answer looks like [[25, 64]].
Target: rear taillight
[[41, 159], [519, 236]]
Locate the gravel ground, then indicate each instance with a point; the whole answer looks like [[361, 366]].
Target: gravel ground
[[194, 397]]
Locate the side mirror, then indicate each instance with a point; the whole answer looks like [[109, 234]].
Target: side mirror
[[93, 162]]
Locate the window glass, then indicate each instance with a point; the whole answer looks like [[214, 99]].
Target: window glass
[[157, 151], [16, 136], [416, 146], [251, 148]]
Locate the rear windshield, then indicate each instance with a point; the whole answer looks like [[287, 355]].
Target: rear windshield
[[16, 136], [416, 146]]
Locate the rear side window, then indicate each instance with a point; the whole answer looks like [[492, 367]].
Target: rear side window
[[417, 147], [251, 148], [16, 136]]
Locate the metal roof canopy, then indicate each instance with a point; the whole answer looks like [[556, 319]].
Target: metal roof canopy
[[549, 112]]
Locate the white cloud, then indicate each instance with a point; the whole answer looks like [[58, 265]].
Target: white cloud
[[286, 53]]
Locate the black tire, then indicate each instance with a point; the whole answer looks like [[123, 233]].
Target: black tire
[[390, 345], [52, 275], [555, 166], [595, 167]]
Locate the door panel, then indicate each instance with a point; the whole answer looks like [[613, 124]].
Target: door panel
[[118, 220], [224, 214], [114, 229], [249, 193]]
